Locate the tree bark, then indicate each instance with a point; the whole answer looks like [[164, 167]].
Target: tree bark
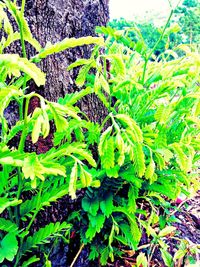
[[52, 21]]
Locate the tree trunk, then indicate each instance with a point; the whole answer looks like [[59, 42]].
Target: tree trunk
[[52, 21]]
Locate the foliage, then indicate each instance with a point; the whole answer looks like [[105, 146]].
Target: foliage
[[187, 15], [30, 182], [146, 149], [151, 146]]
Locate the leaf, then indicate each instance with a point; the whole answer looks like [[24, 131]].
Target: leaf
[[79, 62], [103, 138], [133, 130], [51, 195], [180, 253], [69, 43], [138, 159], [141, 260], [104, 84], [36, 129], [106, 205], [104, 256], [121, 148], [166, 231], [86, 177], [132, 196], [90, 205], [163, 113], [5, 203], [33, 169], [30, 261], [119, 66], [180, 156], [85, 155], [8, 226], [108, 157], [81, 78], [14, 63], [168, 260], [73, 179], [43, 236], [97, 221], [150, 170], [8, 247], [91, 232]]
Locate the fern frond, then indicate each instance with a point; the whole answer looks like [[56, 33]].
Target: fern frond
[[8, 226], [43, 235], [102, 140], [108, 156], [137, 155], [51, 195], [181, 158], [133, 129]]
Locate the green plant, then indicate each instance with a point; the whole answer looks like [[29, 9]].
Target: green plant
[[151, 147], [148, 145], [30, 182]]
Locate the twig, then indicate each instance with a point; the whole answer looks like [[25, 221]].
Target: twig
[[77, 255]]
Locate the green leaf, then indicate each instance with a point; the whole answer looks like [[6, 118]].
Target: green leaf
[[179, 254], [103, 138], [106, 205], [104, 256], [97, 221], [181, 158], [14, 63], [73, 180], [134, 130], [37, 129], [43, 236], [5, 203], [150, 170], [30, 261], [141, 260], [90, 205], [104, 84], [86, 177], [8, 226], [168, 260], [138, 159], [69, 43], [166, 231], [8, 247], [108, 156]]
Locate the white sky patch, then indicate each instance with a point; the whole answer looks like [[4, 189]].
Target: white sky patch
[[130, 9]]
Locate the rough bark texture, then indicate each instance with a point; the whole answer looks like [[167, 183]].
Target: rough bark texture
[[52, 21]]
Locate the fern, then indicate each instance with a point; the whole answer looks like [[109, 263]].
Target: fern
[[137, 155], [108, 156], [8, 226], [181, 158], [51, 195], [43, 236]]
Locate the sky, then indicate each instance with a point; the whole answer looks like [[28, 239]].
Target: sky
[[131, 9]]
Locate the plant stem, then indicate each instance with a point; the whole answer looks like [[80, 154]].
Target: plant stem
[[77, 255], [24, 131], [23, 6], [155, 46], [30, 224], [19, 190]]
